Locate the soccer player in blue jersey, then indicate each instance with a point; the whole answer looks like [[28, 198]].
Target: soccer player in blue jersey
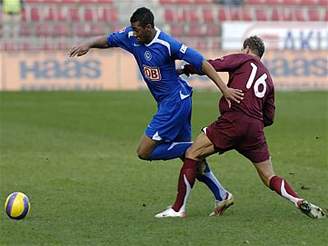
[[168, 135]]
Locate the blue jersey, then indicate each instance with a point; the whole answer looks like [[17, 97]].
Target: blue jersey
[[156, 61]]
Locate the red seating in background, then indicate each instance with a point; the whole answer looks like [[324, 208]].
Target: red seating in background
[[290, 2], [203, 1], [168, 15], [25, 29], [81, 30], [287, 15], [69, 1], [208, 16], [187, 15], [254, 2], [184, 1], [196, 30], [87, 2], [61, 29], [107, 15], [246, 15], [276, 14], [55, 14], [287, 2], [105, 1], [43, 30], [235, 14], [261, 15], [96, 29], [164, 2], [193, 16], [273, 2], [213, 30], [88, 29], [299, 15], [89, 15], [309, 2], [313, 14], [177, 30], [35, 15], [24, 15], [51, 14], [58, 22], [222, 15], [323, 2], [74, 14]]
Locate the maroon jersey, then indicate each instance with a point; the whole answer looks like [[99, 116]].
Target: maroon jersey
[[247, 73]]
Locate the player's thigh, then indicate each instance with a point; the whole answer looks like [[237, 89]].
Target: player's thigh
[[171, 123], [265, 171], [201, 148], [145, 147]]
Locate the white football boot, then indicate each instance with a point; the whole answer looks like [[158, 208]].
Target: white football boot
[[169, 212], [221, 206], [311, 210]]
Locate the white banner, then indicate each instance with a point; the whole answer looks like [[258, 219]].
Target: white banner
[[277, 35]]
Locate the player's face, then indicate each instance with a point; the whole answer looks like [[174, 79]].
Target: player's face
[[143, 34]]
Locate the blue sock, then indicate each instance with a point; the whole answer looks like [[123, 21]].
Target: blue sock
[[167, 151], [212, 183]]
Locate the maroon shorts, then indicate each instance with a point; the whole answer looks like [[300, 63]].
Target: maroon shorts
[[238, 131]]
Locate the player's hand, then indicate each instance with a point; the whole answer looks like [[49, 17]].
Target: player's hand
[[232, 94], [79, 50], [181, 71]]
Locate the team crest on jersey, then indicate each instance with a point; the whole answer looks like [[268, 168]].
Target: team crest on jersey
[[152, 73], [148, 55]]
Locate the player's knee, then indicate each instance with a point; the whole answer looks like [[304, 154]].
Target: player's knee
[[191, 154], [142, 155]]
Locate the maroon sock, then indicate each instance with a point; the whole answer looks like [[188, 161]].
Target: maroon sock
[[281, 186], [187, 171]]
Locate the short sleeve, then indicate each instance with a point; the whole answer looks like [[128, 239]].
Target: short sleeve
[[229, 62], [180, 51], [121, 39]]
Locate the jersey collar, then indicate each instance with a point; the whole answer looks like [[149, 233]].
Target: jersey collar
[[155, 38]]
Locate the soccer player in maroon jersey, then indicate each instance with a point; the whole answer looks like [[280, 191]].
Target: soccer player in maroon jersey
[[239, 127]]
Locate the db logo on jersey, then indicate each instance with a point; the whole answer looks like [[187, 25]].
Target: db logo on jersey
[[152, 73]]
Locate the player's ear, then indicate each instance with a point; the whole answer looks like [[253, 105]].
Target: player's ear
[[148, 27], [247, 50]]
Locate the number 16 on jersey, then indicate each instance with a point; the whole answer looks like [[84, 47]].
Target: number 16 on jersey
[[260, 81]]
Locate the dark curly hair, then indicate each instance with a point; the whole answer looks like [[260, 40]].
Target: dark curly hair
[[144, 16], [255, 44]]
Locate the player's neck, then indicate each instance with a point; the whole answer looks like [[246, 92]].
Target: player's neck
[[152, 35], [253, 54]]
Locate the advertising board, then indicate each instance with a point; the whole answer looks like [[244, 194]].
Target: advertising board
[[117, 70]]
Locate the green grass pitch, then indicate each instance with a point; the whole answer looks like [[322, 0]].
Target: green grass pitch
[[73, 154]]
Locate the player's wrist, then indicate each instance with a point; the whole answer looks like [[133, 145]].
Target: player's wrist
[[222, 86]]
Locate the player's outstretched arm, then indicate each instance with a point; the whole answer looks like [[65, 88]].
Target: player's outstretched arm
[[229, 93], [82, 49]]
